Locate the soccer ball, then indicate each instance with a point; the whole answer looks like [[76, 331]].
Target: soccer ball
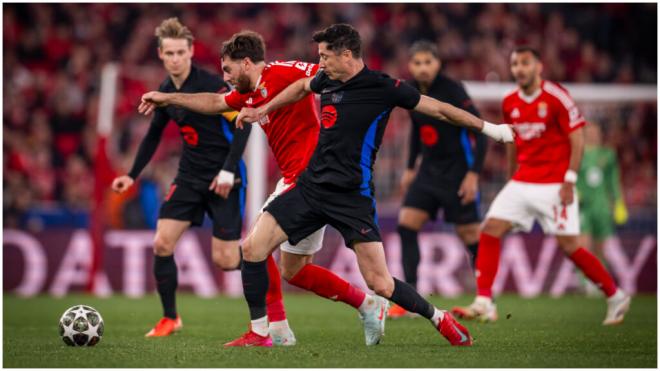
[[81, 325]]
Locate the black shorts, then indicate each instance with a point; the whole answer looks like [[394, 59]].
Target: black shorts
[[302, 210], [428, 196], [188, 202]]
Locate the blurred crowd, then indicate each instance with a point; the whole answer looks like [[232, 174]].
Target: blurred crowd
[[53, 55]]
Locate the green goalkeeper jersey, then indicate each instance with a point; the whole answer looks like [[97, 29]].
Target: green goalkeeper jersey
[[598, 180]]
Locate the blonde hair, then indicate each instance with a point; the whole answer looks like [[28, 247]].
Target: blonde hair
[[173, 29]]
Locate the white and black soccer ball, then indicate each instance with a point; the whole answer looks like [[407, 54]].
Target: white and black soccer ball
[[81, 325]]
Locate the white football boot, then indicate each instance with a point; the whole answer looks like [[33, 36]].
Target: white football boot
[[281, 334], [482, 309], [373, 318], [617, 306]]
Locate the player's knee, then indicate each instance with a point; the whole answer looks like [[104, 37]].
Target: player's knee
[[163, 246], [249, 251], [226, 260], [568, 245], [381, 285], [288, 272], [493, 228]]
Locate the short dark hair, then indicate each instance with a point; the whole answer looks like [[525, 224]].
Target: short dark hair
[[424, 46], [245, 44], [528, 48], [339, 38]]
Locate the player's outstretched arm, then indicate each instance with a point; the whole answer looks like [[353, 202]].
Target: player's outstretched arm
[[293, 93], [206, 103], [446, 112]]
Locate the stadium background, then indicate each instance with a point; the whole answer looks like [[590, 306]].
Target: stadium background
[[54, 55]]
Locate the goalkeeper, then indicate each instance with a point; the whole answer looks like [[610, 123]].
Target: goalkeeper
[[599, 189]]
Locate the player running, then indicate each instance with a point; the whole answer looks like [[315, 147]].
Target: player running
[[211, 177], [549, 144], [292, 133], [448, 176], [337, 186]]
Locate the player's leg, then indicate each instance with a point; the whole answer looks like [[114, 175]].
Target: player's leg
[[373, 266], [298, 270], [563, 221], [466, 219], [226, 254], [509, 210], [586, 240], [618, 302], [168, 232], [486, 264], [264, 239], [411, 221], [469, 235], [227, 215]]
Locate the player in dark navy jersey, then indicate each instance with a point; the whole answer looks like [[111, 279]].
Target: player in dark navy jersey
[[451, 159], [211, 178], [337, 186]]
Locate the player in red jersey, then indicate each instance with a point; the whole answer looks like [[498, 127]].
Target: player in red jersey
[[292, 133], [548, 149]]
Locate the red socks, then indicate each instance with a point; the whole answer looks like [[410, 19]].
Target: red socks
[[274, 303], [328, 285], [488, 259], [594, 270]]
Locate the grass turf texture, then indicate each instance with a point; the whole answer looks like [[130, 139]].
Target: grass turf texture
[[541, 332]]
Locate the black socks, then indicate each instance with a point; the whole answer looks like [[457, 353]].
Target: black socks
[[166, 283], [255, 287], [409, 254], [410, 300]]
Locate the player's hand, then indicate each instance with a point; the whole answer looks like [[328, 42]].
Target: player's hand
[[150, 101], [249, 115], [121, 183], [222, 183], [503, 133], [566, 193], [407, 179], [469, 188]]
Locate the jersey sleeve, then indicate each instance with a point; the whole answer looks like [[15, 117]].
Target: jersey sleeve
[[235, 100], [568, 114], [401, 94], [150, 142], [318, 82]]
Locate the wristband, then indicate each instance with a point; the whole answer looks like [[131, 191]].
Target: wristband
[[570, 176], [225, 177], [501, 133]]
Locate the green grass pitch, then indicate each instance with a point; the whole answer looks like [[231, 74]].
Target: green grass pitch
[[541, 332]]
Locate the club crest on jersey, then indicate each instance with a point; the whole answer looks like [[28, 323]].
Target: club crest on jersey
[[542, 109], [515, 114], [262, 90], [336, 97]]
